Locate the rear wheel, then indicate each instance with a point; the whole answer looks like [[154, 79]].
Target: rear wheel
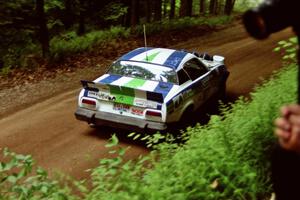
[[187, 117]]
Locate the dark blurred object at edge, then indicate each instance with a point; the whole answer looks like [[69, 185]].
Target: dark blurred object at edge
[[272, 16]]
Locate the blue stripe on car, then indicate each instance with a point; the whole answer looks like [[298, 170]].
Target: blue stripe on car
[[175, 59], [111, 78], [133, 53], [158, 107], [86, 93], [163, 88]]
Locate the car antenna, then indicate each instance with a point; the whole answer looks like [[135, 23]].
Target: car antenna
[[145, 40]]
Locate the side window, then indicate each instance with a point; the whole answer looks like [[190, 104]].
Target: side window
[[194, 68], [182, 77]]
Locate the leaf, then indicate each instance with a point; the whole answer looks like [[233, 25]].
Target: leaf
[[12, 179], [2, 166], [6, 152], [285, 57], [112, 151], [122, 151], [132, 134], [293, 40], [44, 189], [137, 136], [214, 184], [282, 42], [277, 49], [112, 142], [146, 137], [41, 172]]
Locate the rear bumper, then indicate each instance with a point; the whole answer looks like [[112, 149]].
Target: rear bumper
[[113, 120]]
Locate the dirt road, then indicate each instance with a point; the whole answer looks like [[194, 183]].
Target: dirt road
[[49, 131]]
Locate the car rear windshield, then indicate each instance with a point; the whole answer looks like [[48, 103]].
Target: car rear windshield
[[143, 70]]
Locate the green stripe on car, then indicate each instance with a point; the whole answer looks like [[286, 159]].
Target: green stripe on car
[[123, 95], [151, 57], [135, 83]]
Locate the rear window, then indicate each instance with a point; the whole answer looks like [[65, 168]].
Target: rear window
[[143, 70]]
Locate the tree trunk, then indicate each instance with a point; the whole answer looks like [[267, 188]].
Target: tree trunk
[[81, 28], [189, 8], [134, 14], [172, 10], [43, 33], [148, 11], [157, 10], [202, 7], [67, 18], [127, 17], [229, 4], [212, 7], [186, 8]]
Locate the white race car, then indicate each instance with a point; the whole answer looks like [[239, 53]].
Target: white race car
[[150, 88]]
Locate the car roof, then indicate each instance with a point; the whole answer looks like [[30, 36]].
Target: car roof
[[162, 56]]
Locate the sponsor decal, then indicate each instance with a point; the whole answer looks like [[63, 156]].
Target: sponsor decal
[[187, 93], [137, 111], [122, 94], [121, 107], [145, 103], [205, 81], [101, 95]]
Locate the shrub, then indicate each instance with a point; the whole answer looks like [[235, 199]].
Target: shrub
[[19, 180], [226, 159], [69, 43]]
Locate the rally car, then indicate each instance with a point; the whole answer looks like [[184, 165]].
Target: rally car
[[149, 88]]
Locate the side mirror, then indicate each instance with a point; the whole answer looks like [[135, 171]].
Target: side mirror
[[219, 59]]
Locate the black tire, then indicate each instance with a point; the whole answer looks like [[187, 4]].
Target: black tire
[[222, 93], [187, 117]]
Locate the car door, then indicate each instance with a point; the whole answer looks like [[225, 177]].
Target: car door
[[202, 80]]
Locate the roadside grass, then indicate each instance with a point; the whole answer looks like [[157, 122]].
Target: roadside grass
[[229, 158]]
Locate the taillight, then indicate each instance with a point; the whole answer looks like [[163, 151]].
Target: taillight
[[89, 102], [153, 113]]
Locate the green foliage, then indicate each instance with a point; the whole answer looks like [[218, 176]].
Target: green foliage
[[227, 159], [243, 5], [19, 180], [288, 49], [182, 23], [113, 11], [69, 43]]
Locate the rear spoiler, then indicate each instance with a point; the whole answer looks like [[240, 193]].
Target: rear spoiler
[[98, 87]]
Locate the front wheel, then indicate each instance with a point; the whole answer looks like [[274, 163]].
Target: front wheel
[[222, 93], [187, 117]]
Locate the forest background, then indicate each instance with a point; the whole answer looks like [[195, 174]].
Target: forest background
[[37, 31]]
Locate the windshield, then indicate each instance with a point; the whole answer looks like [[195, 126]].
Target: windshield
[[142, 70]]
